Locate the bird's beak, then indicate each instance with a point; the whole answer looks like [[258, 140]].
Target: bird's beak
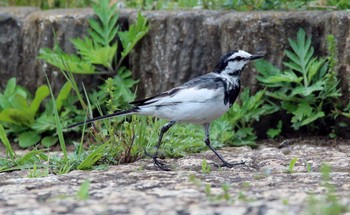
[[254, 57]]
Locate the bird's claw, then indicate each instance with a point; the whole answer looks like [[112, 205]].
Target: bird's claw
[[156, 162], [229, 165], [160, 165]]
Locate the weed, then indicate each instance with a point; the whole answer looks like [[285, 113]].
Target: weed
[[246, 184], [236, 126], [306, 89], [206, 169], [207, 189], [97, 55], [308, 167], [285, 202], [83, 192], [38, 172], [292, 165], [328, 204], [20, 115], [274, 132], [12, 161]]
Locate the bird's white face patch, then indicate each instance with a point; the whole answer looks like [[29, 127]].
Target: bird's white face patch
[[236, 63], [235, 66]]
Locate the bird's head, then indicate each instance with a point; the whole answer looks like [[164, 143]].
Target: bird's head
[[233, 62]]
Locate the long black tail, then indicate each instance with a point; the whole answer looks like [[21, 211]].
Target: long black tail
[[119, 113]]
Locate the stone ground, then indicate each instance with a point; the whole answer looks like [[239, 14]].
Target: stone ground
[[261, 186]]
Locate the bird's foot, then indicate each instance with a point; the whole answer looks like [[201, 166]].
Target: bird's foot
[[230, 165], [160, 165], [156, 162]]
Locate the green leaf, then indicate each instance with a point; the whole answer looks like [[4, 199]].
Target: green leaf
[[49, 141], [95, 54], [265, 69], [133, 35], [10, 87], [66, 62], [274, 132], [306, 91], [104, 31], [63, 95], [313, 118], [41, 93], [303, 110], [18, 117], [19, 102], [288, 76], [4, 102], [6, 142], [29, 138], [44, 123], [83, 192], [93, 157]]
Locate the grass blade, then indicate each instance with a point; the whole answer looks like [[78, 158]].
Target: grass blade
[[6, 142]]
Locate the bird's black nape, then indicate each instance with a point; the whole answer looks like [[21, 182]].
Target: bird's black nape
[[223, 61]]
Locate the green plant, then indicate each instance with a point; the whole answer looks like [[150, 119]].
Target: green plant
[[38, 172], [12, 161], [206, 169], [274, 132], [20, 115], [306, 89], [83, 192], [328, 204], [236, 127], [308, 167], [97, 55], [292, 165], [100, 46]]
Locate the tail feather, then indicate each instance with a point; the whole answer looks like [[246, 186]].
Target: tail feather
[[119, 113]]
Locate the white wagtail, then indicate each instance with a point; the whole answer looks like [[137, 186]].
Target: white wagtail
[[200, 100]]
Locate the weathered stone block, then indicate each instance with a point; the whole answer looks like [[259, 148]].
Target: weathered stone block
[[179, 46], [159, 60], [12, 51]]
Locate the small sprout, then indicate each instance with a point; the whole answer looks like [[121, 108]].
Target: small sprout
[[83, 192], [291, 165], [206, 169]]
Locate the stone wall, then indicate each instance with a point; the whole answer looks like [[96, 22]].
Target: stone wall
[[179, 46]]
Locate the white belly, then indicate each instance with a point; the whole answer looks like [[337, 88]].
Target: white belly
[[192, 112]]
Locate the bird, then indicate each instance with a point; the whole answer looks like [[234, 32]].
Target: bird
[[200, 100]]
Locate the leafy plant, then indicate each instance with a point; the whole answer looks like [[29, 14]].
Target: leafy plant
[[98, 49], [274, 132], [306, 89], [20, 115], [236, 127], [12, 161]]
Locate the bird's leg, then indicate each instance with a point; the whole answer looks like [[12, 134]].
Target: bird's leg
[[207, 142], [163, 130]]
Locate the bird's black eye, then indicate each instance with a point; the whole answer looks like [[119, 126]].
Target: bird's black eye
[[238, 58]]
